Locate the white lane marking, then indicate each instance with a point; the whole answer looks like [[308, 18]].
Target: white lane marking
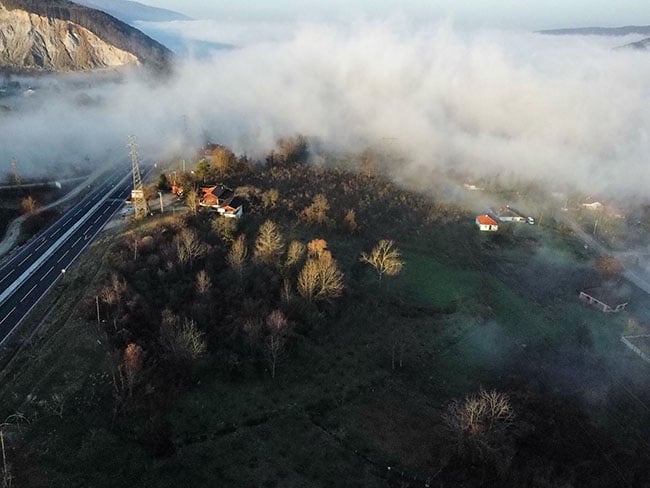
[[42, 244], [7, 316], [30, 255], [64, 223], [105, 210], [95, 221], [75, 242], [48, 272], [57, 230], [31, 290], [7, 275], [64, 255]]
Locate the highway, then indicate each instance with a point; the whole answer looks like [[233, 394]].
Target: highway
[[33, 271]]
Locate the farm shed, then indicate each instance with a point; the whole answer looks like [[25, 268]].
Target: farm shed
[[605, 299]]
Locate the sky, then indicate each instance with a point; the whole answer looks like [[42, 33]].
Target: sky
[[513, 14]]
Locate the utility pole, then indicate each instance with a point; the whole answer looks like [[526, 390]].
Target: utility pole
[[14, 166], [162, 209], [97, 303], [140, 206]]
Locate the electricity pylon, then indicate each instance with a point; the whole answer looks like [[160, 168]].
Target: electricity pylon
[[140, 206]]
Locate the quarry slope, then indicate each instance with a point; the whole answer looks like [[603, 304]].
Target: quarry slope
[[58, 35]]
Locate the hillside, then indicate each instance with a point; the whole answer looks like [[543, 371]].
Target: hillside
[[62, 36], [131, 12], [599, 31], [643, 44], [193, 350]]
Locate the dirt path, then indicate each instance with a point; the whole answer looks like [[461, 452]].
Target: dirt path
[[13, 230]]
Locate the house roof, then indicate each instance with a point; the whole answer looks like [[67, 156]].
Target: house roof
[[232, 205], [218, 194], [486, 220], [508, 210], [236, 202], [226, 197]]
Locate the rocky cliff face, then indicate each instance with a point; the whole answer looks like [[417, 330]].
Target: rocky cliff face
[[30, 41], [57, 35]]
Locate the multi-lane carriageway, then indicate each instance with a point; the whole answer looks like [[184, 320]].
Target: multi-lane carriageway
[[33, 271]]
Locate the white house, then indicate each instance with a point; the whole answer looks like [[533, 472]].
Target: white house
[[486, 223]]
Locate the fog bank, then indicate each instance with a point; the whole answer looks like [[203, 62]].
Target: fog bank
[[515, 104]]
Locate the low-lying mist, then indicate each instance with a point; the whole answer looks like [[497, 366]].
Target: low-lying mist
[[560, 109]]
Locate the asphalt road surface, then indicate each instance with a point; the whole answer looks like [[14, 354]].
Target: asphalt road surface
[[33, 271]]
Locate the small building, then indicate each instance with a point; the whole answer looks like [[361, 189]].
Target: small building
[[215, 196], [607, 299], [233, 209], [223, 200], [509, 214], [472, 187], [486, 223], [592, 204]]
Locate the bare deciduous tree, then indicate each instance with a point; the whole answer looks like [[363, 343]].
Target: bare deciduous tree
[[316, 247], [270, 198], [350, 221], [385, 258], [132, 365], [181, 339], [480, 413], [7, 477], [237, 254], [320, 278], [269, 244], [192, 199], [277, 324], [28, 205], [316, 213], [112, 293], [224, 228], [223, 161], [188, 247], [295, 253], [291, 150], [203, 282], [479, 424]]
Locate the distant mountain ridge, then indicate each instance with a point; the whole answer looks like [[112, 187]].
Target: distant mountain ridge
[[130, 12], [59, 35], [600, 31]]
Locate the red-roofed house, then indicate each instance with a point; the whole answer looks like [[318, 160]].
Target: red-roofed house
[[486, 223], [215, 196]]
